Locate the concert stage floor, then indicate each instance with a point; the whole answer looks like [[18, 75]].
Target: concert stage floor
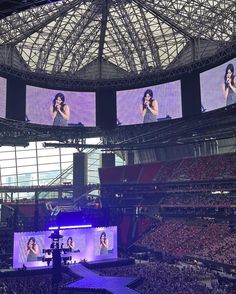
[[92, 280]]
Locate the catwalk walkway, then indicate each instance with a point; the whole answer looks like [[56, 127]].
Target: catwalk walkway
[[92, 280]]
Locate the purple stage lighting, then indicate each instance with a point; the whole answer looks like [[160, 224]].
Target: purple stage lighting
[[53, 228], [69, 227], [85, 243], [75, 227]]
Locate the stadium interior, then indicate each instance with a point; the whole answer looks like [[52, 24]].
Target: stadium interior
[[143, 192]]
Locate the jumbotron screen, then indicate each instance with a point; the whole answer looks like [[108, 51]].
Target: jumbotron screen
[[60, 108], [149, 104], [85, 243], [3, 96], [218, 86]]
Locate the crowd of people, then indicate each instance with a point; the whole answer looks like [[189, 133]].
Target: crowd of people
[[162, 278], [211, 241], [206, 239], [152, 277], [199, 199], [201, 168], [223, 251], [222, 166], [39, 284]]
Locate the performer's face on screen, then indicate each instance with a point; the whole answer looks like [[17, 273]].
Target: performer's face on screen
[[229, 73], [59, 100], [147, 97], [229, 76], [31, 242]]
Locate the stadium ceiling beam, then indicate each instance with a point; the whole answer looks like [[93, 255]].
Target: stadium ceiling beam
[[72, 38], [151, 40], [125, 46], [49, 43], [220, 15], [165, 19], [81, 145], [133, 35], [26, 33], [9, 7], [77, 56], [105, 11], [62, 80]]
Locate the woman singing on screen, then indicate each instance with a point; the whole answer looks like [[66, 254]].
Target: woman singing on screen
[[32, 250], [229, 86], [149, 107], [103, 244], [60, 112], [70, 244]]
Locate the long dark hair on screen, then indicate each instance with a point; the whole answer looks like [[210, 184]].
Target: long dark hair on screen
[[55, 99], [69, 240], [231, 68], [31, 239], [105, 237], [150, 93]]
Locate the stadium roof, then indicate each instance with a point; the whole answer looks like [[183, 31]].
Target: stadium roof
[[109, 39]]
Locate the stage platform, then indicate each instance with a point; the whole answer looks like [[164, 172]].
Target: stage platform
[[93, 282], [89, 281]]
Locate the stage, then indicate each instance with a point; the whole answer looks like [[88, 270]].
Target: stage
[[93, 282], [89, 280]]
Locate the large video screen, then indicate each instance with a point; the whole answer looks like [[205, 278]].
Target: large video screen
[[149, 104], [60, 108], [88, 244], [218, 86], [3, 97]]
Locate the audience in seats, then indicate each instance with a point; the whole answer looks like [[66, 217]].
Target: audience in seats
[[211, 241], [204, 168], [39, 284], [199, 200], [162, 278]]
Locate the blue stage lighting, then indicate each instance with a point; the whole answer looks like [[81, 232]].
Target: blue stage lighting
[[69, 227], [53, 228]]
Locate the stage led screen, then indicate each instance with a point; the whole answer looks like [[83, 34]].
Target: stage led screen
[[165, 104], [218, 86], [60, 108], [86, 244], [3, 96]]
